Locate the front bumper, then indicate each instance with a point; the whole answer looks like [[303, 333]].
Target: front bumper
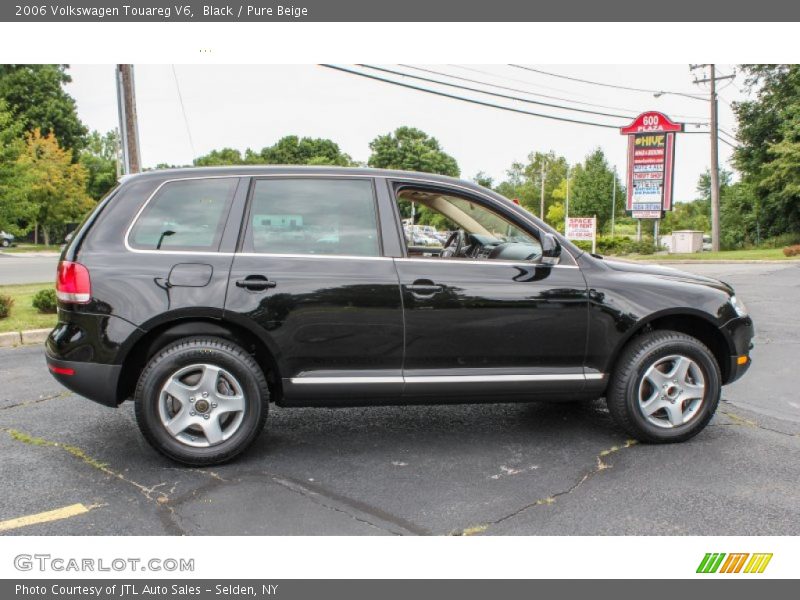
[[740, 332]]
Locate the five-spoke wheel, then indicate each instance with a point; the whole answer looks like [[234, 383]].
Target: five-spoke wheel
[[201, 405], [201, 401], [665, 387]]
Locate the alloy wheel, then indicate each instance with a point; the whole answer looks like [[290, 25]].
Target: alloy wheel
[[672, 391], [201, 405]]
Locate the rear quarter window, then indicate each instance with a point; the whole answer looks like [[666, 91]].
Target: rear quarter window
[[185, 215]]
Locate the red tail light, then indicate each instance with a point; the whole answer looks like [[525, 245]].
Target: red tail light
[[73, 283]]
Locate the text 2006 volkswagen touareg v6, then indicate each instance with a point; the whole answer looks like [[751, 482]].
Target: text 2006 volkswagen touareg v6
[[205, 293]]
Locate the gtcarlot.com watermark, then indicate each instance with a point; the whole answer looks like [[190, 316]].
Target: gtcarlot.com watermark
[[44, 563]]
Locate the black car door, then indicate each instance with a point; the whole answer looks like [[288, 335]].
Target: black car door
[[480, 325], [311, 279]]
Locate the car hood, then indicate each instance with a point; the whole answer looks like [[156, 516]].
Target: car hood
[[668, 273]]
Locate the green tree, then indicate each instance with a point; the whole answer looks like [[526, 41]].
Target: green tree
[[225, 156], [483, 180], [36, 97], [739, 216], [591, 188], [687, 215], [99, 158], [769, 148], [517, 186], [780, 183], [555, 216], [524, 180], [52, 184], [553, 169], [15, 211], [410, 149], [291, 150]]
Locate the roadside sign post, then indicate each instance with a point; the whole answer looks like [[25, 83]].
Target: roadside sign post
[[651, 160], [582, 229]]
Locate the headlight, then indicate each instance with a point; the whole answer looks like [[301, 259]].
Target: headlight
[[738, 306]]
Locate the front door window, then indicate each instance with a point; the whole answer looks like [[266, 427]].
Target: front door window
[[440, 225]]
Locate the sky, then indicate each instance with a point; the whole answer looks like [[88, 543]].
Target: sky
[[242, 106]]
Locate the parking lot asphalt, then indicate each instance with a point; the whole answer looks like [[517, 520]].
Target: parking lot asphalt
[[483, 469]]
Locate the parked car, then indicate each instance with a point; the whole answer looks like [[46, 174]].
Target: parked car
[[6, 239], [169, 295]]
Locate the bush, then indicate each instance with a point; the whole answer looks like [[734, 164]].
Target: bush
[[45, 301], [781, 241], [619, 245], [792, 250], [6, 302]]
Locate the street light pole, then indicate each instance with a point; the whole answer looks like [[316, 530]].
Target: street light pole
[[566, 205], [613, 200], [541, 202]]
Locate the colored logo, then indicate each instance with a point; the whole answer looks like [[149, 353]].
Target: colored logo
[[719, 562]]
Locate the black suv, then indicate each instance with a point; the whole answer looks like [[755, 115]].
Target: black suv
[[205, 293]]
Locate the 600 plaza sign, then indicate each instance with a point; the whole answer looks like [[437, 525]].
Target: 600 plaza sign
[[651, 158]]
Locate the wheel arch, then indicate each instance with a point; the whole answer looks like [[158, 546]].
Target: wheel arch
[[695, 323], [146, 346]]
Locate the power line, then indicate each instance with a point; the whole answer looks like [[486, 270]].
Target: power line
[[730, 135], [608, 85], [634, 111], [504, 96], [507, 78], [511, 89], [183, 110], [469, 100]]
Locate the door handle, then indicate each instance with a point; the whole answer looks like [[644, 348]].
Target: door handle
[[424, 287], [255, 283]]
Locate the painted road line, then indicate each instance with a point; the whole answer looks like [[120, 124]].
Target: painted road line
[[58, 514]]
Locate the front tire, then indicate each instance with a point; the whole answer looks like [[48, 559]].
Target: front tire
[[201, 401], [665, 388]]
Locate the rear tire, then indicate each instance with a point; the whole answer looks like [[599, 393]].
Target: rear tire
[[201, 401], [665, 387], [5, 243]]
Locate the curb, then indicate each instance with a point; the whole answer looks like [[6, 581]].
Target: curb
[[11, 339]]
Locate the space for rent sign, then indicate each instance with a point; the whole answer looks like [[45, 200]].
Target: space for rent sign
[[582, 228], [651, 157]]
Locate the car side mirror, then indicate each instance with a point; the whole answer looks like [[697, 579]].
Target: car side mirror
[[551, 249]]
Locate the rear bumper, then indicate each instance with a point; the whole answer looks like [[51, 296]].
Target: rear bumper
[[83, 353], [91, 380]]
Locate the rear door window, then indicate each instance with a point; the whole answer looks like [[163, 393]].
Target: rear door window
[[185, 215], [313, 216]]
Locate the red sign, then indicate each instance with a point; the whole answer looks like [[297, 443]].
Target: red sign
[[651, 156]]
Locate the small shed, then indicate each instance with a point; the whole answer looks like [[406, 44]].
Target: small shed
[[686, 241]]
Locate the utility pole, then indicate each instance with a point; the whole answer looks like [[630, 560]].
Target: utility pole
[[541, 202], [128, 123], [713, 101]]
